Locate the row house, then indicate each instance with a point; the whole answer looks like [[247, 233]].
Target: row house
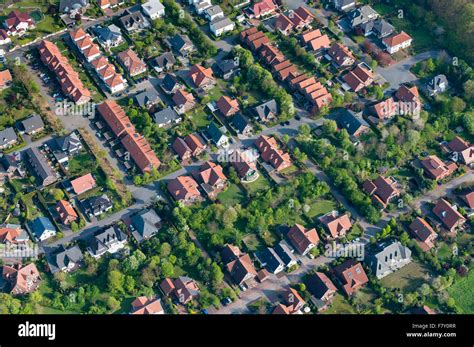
[[315, 41], [270, 153], [359, 78]]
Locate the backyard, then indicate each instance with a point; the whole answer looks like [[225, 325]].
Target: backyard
[[408, 278], [463, 294]]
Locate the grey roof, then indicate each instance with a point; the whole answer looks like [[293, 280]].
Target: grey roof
[[361, 15], [346, 119], [63, 257], [7, 135], [383, 28], [71, 5], [41, 225], [226, 65], [284, 252], [214, 132], [438, 84], [134, 21], [180, 42], [110, 33], [33, 123], [147, 223], [165, 60], [266, 108], [219, 23], [240, 123], [214, 10], [270, 258], [105, 239], [98, 204], [166, 116], [38, 164], [382, 259], [69, 143], [149, 96]]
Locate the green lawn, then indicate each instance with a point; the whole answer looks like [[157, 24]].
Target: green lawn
[[463, 294], [320, 207], [232, 195], [82, 164], [261, 184], [252, 242], [340, 306], [408, 278]]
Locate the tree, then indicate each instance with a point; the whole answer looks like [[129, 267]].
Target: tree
[[304, 130], [457, 104], [229, 217], [116, 281], [113, 304], [58, 194], [329, 127], [468, 88], [167, 269]]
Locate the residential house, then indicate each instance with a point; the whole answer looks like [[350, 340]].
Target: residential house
[[436, 169], [83, 184], [361, 15], [462, 150], [134, 21], [340, 55], [260, 9], [438, 84], [315, 41], [109, 36], [13, 234], [285, 253], [184, 189], [69, 144], [182, 45], [164, 62], [5, 79], [270, 153], [65, 259], [131, 62], [201, 5], [359, 78], [336, 225], [154, 9], [303, 239], [97, 205], [244, 166], [213, 12], [241, 124], [202, 77], [32, 125], [12, 164], [4, 37], [292, 303], [104, 4], [166, 117], [170, 84], [68, 78], [217, 136], [18, 23], [379, 27], [227, 68], [39, 167], [211, 178], [145, 305], [184, 101], [73, 7], [468, 198], [148, 98], [409, 99], [227, 106], [221, 25], [322, 290], [240, 266], [20, 279], [382, 190], [423, 233], [41, 228], [351, 275], [66, 212], [385, 109], [183, 288], [388, 258], [8, 138], [396, 42], [188, 147], [344, 5], [270, 260], [352, 122], [140, 151], [449, 215], [109, 240], [267, 111], [146, 224]]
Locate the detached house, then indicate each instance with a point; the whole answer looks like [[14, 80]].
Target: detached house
[[351, 275], [41, 228], [244, 166], [97, 205], [146, 224], [182, 45], [340, 55], [240, 266], [436, 169], [183, 288], [66, 212], [292, 303], [18, 23], [382, 190], [388, 258], [154, 9], [437, 84], [184, 101], [216, 135], [211, 178], [359, 78], [65, 259], [261, 9], [462, 150], [184, 189], [188, 147], [396, 42], [12, 234], [83, 184], [344, 5], [202, 77], [303, 239], [8, 138], [131, 62], [424, 233], [449, 215], [322, 289], [361, 15], [134, 21], [220, 26], [336, 225], [110, 240], [271, 153], [20, 279], [5, 79], [227, 106], [144, 305], [267, 111]]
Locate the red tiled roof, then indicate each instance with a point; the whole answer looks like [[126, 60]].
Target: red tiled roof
[[458, 144], [302, 238], [448, 215], [397, 39], [141, 152], [5, 78], [66, 212], [132, 62], [183, 188], [83, 184], [270, 153], [201, 75], [436, 169], [115, 117], [352, 276], [263, 7], [211, 173], [227, 106]]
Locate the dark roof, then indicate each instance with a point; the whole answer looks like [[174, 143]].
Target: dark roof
[[134, 20], [346, 119], [284, 253], [266, 108], [169, 82], [240, 122], [147, 96], [39, 225], [270, 258], [38, 163], [104, 239], [165, 116], [147, 223], [63, 257], [382, 27], [68, 143], [7, 135], [214, 132], [32, 123], [167, 59], [98, 203], [226, 65], [179, 41]]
